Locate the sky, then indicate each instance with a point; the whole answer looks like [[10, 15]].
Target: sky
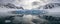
[[28, 4]]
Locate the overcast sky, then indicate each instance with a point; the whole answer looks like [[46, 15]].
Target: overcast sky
[[27, 4]]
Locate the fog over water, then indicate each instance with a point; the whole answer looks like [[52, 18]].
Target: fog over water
[[27, 4]]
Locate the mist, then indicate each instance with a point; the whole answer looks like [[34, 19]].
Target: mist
[[28, 4]]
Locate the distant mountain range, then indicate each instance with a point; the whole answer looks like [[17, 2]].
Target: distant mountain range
[[51, 5], [9, 5]]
